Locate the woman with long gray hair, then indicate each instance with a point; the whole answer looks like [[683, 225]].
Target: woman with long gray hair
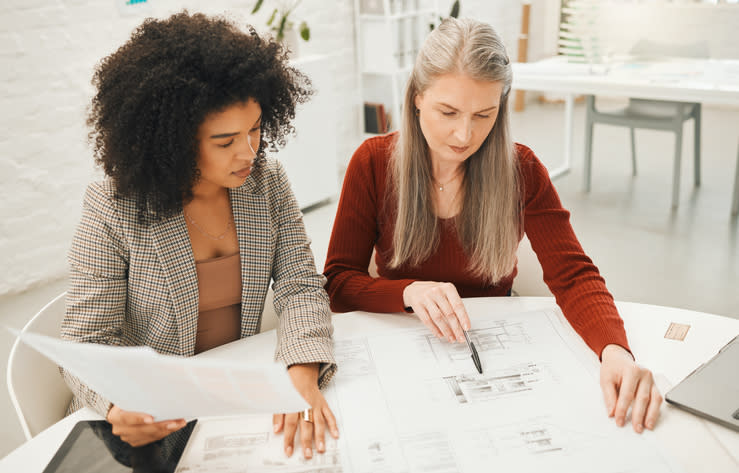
[[444, 203]]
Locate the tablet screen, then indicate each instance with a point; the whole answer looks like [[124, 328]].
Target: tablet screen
[[91, 447]]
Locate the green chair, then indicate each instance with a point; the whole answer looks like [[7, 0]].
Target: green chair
[[651, 114]]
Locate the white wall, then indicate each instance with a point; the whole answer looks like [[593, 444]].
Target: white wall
[[505, 17], [677, 23], [48, 49]]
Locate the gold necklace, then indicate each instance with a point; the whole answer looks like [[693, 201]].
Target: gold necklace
[[441, 186], [450, 206], [205, 232]]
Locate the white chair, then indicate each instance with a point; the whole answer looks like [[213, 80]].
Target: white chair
[[530, 278], [269, 314], [37, 390]]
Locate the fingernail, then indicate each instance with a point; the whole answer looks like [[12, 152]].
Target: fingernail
[[148, 420], [620, 422], [335, 433], [308, 453], [288, 450], [277, 427], [172, 425], [650, 424], [639, 428], [321, 447]]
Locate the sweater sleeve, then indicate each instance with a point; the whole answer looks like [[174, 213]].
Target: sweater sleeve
[[575, 281], [356, 229]]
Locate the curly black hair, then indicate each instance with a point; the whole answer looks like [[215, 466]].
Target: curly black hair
[[155, 91]]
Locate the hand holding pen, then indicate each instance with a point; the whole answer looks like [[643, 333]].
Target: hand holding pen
[[440, 308]]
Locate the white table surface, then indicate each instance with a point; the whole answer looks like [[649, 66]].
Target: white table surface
[[709, 81], [696, 444]]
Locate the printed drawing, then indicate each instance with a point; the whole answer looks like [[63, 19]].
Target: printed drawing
[[472, 388], [502, 335]]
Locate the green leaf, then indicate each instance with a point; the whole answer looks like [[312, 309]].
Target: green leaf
[[257, 6], [455, 9], [304, 31], [272, 17], [281, 29]]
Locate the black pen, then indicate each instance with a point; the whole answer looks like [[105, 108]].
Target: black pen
[[473, 350]]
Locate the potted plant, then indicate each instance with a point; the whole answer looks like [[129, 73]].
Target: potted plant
[[281, 25], [454, 13]]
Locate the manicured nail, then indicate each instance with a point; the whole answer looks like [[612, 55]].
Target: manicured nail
[[277, 427], [148, 420], [639, 428], [172, 425], [288, 450], [308, 453], [650, 424], [321, 447]]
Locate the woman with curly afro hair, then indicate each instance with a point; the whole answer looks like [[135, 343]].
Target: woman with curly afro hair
[[177, 246]]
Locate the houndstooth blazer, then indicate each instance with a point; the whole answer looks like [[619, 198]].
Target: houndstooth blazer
[[134, 283]]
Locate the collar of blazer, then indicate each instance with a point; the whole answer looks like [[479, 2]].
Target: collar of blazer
[[253, 228]]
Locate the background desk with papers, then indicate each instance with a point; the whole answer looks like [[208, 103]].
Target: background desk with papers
[[407, 402]]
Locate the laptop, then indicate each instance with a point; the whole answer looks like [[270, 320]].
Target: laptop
[[712, 390]]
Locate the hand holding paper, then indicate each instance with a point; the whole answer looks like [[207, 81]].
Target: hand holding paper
[[169, 387]]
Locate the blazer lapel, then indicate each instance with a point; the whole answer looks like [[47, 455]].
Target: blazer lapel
[[172, 244], [253, 227]]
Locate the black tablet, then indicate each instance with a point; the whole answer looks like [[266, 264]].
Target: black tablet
[[91, 447]]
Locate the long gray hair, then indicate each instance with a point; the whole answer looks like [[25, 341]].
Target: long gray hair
[[489, 224]]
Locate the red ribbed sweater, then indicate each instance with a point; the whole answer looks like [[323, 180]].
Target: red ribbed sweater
[[361, 225]]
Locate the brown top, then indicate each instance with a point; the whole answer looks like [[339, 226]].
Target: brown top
[[219, 288]]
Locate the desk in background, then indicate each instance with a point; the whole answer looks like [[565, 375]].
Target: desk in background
[[708, 81], [646, 325]]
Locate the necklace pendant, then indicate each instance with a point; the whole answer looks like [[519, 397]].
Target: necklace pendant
[[441, 188]]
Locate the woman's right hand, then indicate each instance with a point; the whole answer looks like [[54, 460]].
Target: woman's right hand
[[439, 307], [139, 429]]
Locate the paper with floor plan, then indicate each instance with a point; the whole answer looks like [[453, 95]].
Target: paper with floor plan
[[247, 443], [170, 387], [408, 402]]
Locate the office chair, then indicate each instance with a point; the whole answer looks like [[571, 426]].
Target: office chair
[[269, 314], [37, 390], [529, 280], [652, 114]]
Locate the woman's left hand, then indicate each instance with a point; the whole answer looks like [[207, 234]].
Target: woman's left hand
[[626, 384], [305, 380]]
